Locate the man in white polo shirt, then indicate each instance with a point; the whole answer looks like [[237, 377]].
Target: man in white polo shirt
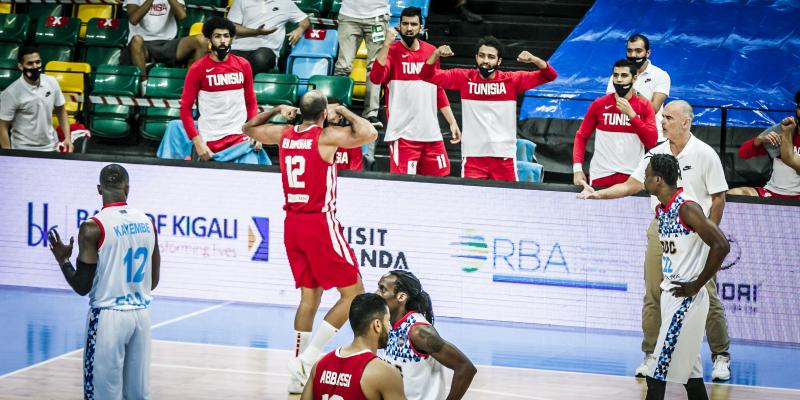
[[261, 28], [702, 178], [27, 106], [653, 83], [362, 20]]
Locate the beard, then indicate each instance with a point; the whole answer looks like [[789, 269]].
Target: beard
[[383, 340]]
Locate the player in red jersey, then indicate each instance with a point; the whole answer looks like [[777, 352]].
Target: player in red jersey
[[318, 254], [354, 372], [345, 159]]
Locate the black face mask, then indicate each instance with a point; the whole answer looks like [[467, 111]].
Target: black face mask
[[221, 51], [622, 90], [637, 61], [486, 72], [408, 39], [32, 73]]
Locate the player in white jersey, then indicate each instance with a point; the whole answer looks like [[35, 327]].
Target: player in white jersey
[[414, 345], [118, 265], [694, 248]]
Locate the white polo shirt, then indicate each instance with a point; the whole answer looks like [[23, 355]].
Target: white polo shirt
[[651, 80], [271, 14], [701, 171], [364, 8], [30, 110], [158, 24]]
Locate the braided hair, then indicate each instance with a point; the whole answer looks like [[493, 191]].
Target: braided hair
[[418, 299], [666, 166]]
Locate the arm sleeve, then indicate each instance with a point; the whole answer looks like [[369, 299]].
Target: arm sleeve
[[235, 14], [449, 79], [190, 89], [584, 133], [379, 73], [644, 124], [714, 174], [750, 150], [8, 106], [251, 104], [663, 84], [530, 79]]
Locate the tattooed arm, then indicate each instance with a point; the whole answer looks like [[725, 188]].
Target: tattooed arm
[[426, 340]]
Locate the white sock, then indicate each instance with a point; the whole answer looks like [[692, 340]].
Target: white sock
[[321, 339], [301, 342]]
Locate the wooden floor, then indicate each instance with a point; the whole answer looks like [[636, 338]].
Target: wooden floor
[[198, 371]]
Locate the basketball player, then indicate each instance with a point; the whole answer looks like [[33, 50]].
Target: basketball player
[[489, 101], [694, 248], [118, 265], [319, 256], [790, 152], [354, 372], [414, 345], [345, 159]]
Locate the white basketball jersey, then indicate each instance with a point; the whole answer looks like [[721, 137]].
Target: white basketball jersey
[[423, 376], [123, 277], [685, 253]]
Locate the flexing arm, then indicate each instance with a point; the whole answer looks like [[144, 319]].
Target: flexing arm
[[5, 142], [360, 131], [788, 155], [261, 130], [446, 79], [692, 215], [380, 69], [425, 339], [136, 13], [79, 279]]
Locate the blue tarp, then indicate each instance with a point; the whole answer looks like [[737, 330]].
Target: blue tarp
[[717, 52]]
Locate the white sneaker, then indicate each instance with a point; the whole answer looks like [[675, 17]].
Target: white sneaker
[[644, 368], [722, 369], [295, 386], [298, 371]]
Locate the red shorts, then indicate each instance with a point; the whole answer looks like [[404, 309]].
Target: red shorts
[[608, 181], [423, 158], [496, 168], [762, 192], [318, 254]]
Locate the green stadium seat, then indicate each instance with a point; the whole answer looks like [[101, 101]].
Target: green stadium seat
[[13, 32], [211, 3], [8, 72], [110, 120], [9, 51], [38, 11], [310, 6], [162, 83], [340, 87], [193, 15], [56, 37], [275, 89], [117, 80], [105, 39], [332, 8]]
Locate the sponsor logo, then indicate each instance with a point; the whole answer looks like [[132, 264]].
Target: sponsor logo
[[37, 228], [373, 249]]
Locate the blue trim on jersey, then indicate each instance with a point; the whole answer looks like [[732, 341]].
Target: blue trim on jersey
[[671, 340], [669, 218], [88, 357]]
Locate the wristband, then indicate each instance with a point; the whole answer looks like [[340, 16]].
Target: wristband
[[577, 167]]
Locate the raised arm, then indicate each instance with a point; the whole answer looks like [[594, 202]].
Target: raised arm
[[360, 131], [692, 215], [381, 68], [82, 278], [446, 79], [261, 130], [788, 155], [425, 339], [530, 79], [136, 13]]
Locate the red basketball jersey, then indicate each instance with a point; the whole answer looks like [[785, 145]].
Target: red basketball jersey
[[341, 376], [309, 182]]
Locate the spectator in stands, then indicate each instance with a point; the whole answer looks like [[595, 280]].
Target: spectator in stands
[[27, 106], [153, 28], [790, 151], [261, 29], [702, 178], [221, 84], [653, 82], [625, 124], [345, 159], [365, 20], [415, 141], [489, 106], [785, 180]]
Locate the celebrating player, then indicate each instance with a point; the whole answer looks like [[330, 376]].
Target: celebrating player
[[694, 248], [416, 347], [318, 254], [118, 265], [354, 371]]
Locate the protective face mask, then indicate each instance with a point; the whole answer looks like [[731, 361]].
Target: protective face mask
[[637, 61], [32, 73], [622, 90], [408, 39], [221, 51], [486, 72]]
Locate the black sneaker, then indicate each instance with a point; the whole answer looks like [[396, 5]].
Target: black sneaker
[[375, 122]]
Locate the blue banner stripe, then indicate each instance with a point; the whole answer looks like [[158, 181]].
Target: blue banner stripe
[[473, 257], [560, 282]]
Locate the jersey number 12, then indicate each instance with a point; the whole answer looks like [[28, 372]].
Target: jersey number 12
[[130, 257], [295, 167]]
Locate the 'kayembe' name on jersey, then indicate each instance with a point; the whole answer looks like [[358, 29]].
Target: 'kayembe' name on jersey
[[131, 229], [231, 78], [302, 144], [488, 88]]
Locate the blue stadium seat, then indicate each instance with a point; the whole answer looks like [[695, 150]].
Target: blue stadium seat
[[314, 54], [527, 167], [397, 6]]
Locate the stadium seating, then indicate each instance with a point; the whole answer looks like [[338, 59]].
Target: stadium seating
[[13, 32], [71, 77], [8, 72], [56, 37], [314, 7], [274, 89], [332, 8], [86, 12], [196, 29], [528, 169], [39, 11], [6, 8], [359, 73], [107, 120], [340, 87], [314, 54], [162, 83], [105, 39], [193, 15], [397, 6]]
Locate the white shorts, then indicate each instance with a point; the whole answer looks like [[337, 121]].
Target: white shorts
[[116, 358], [683, 324]]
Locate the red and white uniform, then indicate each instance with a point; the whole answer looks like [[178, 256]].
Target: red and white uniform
[[785, 181], [338, 377], [620, 141], [225, 99], [489, 115], [413, 132], [349, 159], [317, 252]]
